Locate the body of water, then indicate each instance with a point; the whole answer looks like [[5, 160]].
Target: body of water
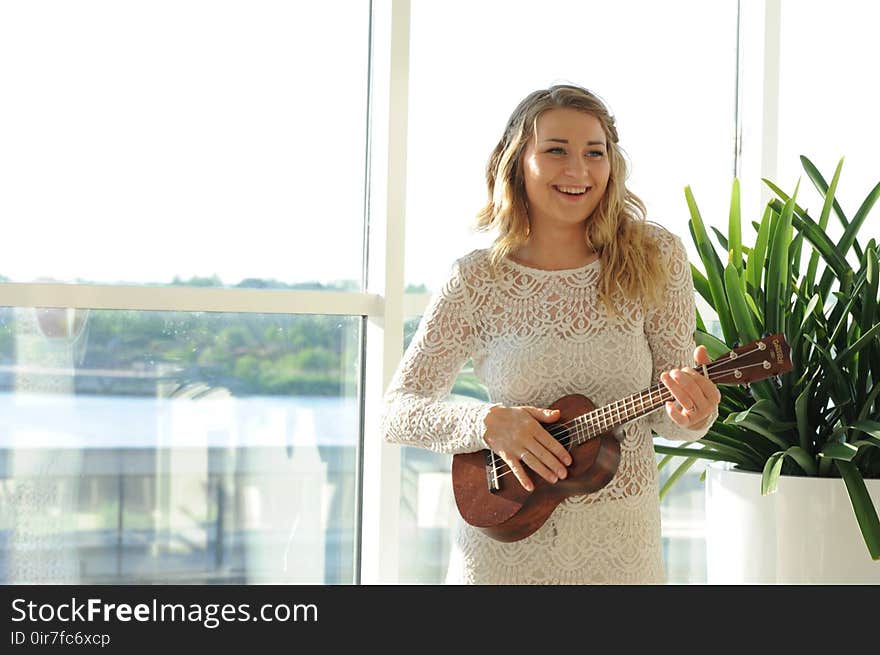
[[62, 421]]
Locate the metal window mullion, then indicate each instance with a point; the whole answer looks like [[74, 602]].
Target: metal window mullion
[[190, 299], [380, 519], [758, 74], [364, 328]]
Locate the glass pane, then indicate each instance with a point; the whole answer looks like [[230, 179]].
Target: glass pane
[[683, 522], [830, 53], [185, 140], [428, 511], [675, 115], [671, 90], [166, 447], [427, 506]]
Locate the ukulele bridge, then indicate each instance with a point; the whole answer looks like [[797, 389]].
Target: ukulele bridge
[[492, 472]]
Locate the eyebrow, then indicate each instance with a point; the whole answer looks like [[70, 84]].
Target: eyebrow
[[589, 143]]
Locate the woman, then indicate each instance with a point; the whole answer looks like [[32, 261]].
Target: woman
[[578, 294]]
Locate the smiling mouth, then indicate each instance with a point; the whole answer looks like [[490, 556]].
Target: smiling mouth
[[573, 191]]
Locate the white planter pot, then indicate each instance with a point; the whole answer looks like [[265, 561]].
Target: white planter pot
[[804, 533]]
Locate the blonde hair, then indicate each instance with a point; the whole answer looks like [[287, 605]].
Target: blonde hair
[[630, 258]]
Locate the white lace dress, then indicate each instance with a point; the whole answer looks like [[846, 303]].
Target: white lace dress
[[534, 336]]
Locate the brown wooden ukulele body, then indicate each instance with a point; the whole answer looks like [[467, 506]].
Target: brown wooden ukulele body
[[513, 513]]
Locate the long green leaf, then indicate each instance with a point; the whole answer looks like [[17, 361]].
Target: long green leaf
[[768, 409], [869, 401], [700, 453], [828, 192], [809, 315], [700, 324], [739, 310], [866, 513], [778, 269], [823, 187], [744, 454], [770, 475], [868, 318], [840, 314], [734, 453], [802, 414], [861, 443], [719, 235], [842, 451], [756, 312], [773, 467], [714, 346], [862, 342], [850, 233], [874, 352], [759, 425], [779, 192], [734, 228], [755, 264], [701, 284], [676, 474], [868, 427], [755, 441], [714, 269], [840, 384], [763, 390], [803, 459], [813, 233]]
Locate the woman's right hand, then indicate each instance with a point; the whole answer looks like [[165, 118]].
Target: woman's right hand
[[516, 434]]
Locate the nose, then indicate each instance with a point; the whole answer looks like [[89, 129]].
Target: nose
[[577, 166]]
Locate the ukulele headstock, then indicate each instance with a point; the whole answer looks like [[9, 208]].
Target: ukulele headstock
[[755, 361]]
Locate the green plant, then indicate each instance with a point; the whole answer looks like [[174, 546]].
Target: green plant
[[822, 418]]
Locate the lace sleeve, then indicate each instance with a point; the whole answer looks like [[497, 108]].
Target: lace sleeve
[[670, 331], [416, 411]]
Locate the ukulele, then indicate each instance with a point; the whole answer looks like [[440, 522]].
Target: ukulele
[[490, 497]]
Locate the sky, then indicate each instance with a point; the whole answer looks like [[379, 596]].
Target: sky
[[139, 142]]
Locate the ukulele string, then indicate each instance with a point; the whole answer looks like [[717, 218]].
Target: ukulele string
[[603, 413], [710, 368], [576, 435]]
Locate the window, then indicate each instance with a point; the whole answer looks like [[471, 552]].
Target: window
[[669, 83], [826, 108], [427, 511], [163, 447], [183, 142], [164, 432], [675, 115]]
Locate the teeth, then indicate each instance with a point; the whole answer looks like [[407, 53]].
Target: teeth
[[577, 190]]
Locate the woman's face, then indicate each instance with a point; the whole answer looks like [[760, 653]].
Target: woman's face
[[566, 167]]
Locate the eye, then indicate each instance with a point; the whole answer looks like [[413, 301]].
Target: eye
[[557, 150], [596, 154]]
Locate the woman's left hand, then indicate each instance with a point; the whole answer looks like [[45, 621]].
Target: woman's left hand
[[696, 396]]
